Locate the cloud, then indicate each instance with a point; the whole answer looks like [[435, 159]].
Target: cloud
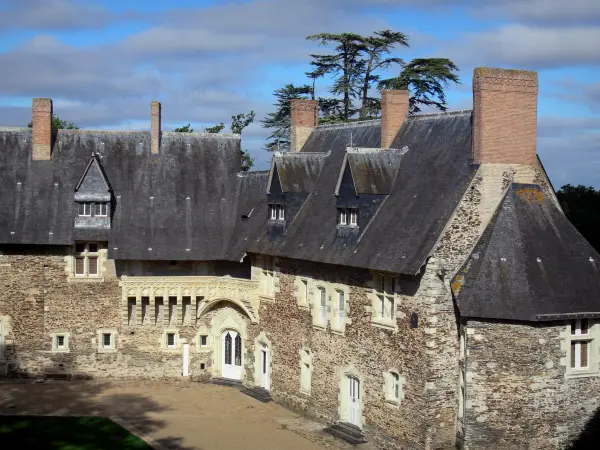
[[53, 15], [529, 47]]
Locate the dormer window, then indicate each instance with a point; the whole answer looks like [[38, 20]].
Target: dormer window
[[101, 209], [348, 216], [277, 212], [85, 209]]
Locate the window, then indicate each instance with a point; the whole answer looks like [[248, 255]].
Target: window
[[86, 259], [277, 212], [131, 311], [348, 216], [385, 287], [341, 309], [204, 340], [305, 370], [60, 342], [322, 306], [107, 341], [84, 209], [580, 344], [171, 340], [393, 387], [101, 209], [305, 291]]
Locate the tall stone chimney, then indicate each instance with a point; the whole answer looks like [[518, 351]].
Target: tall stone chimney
[[155, 122], [504, 116], [42, 128], [305, 118], [394, 110]]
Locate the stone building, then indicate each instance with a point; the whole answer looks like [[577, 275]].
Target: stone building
[[411, 281]]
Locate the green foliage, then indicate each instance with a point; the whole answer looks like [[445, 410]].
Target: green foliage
[[581, 205], [59, 124], [184, 129], [426, 79], [238, 123], [280, 119], [216, 129]]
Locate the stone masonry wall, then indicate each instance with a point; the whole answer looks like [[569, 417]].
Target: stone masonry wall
[[517, 393], [369, 349]]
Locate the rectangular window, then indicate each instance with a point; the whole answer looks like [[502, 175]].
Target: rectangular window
[[353, 216], [305, 291], [268, 274], [84, 209], [385, 287], [341, 309], [60, 341], [172, 310], [342, 216], [280, 212], [203, 341], [86, 259], [170, 340], [106, 340], [131, 312], [273, 212], [101, 209], [186, 306], [322, 306], [580, 348], [145, 310]]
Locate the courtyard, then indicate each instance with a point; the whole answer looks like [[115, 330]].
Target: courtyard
[[167, 414]]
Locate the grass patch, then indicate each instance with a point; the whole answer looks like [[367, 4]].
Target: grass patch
[[66, 433]]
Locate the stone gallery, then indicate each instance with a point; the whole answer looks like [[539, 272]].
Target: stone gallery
[[410, 281]]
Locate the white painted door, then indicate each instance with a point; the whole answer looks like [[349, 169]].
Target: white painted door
[[264, 367], [354, 401], [186, 360], [232, 355]]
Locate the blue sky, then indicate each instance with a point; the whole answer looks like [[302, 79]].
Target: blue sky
[[104, 61]]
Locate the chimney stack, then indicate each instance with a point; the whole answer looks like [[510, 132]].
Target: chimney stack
[[504, 116], [155, 122], [42, 128], [394, 110], [305, 118]]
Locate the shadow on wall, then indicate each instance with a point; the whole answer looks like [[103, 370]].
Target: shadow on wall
[[589, 438], [84, 398]]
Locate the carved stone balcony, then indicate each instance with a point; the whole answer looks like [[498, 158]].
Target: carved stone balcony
[[203, 291]]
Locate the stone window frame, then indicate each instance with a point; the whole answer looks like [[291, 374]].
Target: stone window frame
[[306, 363], [209, 341], [101, 348], [268, 276], [393, 381], [66, 348], [163, 340], [317, 315], [99, 255], [303, 286], [378, 318], [593, 338]]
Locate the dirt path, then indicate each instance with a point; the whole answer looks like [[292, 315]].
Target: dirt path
[[174, 415]]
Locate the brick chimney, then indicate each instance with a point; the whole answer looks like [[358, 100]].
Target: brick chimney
[[305, 118], [504, 116], [42, 128], [155, 123], [394, 110]]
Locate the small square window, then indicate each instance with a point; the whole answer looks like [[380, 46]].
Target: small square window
[[60, 341], [203, 341], [80, 247], [171, 340], [92, 248]]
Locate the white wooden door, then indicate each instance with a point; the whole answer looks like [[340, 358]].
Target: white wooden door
[[186, 360], [264, 367], [354, 401], [232, 355]]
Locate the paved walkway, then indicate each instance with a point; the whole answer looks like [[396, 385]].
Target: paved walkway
[[173, 415]]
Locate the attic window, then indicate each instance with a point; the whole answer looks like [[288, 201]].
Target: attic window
[[85, 209], [348, 216], [277, 212], [101, 209]]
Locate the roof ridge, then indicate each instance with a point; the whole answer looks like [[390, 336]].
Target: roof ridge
[[15, 129], [301, 154], [358, 123], [455, 112]]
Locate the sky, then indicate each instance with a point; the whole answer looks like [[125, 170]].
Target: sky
[[104, 61]]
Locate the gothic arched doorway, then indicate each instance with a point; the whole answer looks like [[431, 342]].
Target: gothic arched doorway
[[231, 351]]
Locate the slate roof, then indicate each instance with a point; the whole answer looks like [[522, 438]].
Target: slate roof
[[530, 264], [179, 204], [298, 172], [406, 227]]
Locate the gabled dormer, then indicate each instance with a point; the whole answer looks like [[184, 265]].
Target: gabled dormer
[[93, 197], [291, 181], [366, 178]]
